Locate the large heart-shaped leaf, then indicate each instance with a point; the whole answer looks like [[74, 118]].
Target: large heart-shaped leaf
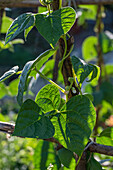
[[29, 125], [9, 73], [66, 157], [81, 117], [89, 48], [48, 98], [28, 114], [57, 23], [83, 70], [21, 23], [38, 62]]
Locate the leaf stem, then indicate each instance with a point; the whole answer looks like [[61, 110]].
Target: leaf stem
[[48, 7], [66, 97], [64, 37], [60, 4], [52, 82], [19, 72]]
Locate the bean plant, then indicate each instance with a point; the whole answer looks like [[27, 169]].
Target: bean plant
[[65, 125]]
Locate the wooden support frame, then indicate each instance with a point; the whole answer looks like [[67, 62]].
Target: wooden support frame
[[34, 3], [95, 2], [19, 4], [8, 128]]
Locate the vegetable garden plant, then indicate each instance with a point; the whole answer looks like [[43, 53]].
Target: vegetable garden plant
[[65, 126]]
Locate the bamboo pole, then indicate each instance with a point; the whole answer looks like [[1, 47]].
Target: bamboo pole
[[36, 3], [19, 3], [96, 2]]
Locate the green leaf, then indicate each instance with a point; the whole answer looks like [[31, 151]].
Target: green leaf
[[38, 62], [44, 128], [37, 153], [65, 156], [23, 81], [45, 155], [41, 155], [51, 113], [17, 41], [21, 23], [13, 87], [29, 125], [95, 73], [2, 117], [89, 48], [83, 70], [9, 73], [8, 46], [42, 9], [59, 122], [106, 137], [89, 96], [81, 117], [28, 114], [75, 123], [93, 164], [87, 12], [26, 32], [109, 70], [62, 104], [48, 98], [106, 42], [90, 11], [6, 22], [3, 90], [48, 70], [57, 23]]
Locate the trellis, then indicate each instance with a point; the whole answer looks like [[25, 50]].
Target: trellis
[[35, 3], [19, 3]]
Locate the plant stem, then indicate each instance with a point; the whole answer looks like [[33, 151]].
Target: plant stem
[[52, 82], [65, 56], [74, 76], [99, 30], [19, 72], [60, 4], [48, 7]]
